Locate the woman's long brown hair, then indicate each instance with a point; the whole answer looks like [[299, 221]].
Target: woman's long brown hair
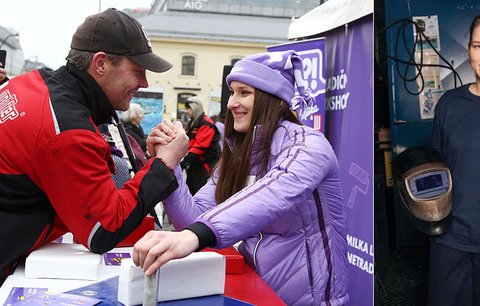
[[268, 111]]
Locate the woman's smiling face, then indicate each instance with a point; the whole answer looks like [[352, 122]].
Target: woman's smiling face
[[240, 104]]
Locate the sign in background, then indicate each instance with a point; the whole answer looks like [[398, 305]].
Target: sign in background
[[152, 104], [349, 128], [344, 94], [312, 53]]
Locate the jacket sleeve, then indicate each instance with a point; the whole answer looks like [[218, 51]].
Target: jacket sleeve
[[182, 209], [299, 169], [73, 171], [203, 140], [190, 159]]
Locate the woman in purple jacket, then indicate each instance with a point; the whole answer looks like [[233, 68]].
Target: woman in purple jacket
[[276, 189]]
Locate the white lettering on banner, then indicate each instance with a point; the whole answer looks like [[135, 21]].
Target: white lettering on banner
[[360, 245], [8, 109], [338, 101], [337, 82], [307, 111], [360, 263], [313, 70]]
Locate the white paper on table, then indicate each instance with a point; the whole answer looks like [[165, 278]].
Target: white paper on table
[[198, 274], [63, 261]]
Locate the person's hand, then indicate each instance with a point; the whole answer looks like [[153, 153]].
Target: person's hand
[[3, 74], [169, 142], [161, 134], [158, 247]]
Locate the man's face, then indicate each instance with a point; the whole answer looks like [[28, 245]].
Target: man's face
[[120, 82]]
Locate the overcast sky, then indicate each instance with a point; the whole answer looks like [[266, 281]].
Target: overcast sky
[[46, 26]]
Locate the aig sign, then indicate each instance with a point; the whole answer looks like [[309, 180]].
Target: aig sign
[[194, 5]]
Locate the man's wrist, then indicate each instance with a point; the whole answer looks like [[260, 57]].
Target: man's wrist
[[171, 167]]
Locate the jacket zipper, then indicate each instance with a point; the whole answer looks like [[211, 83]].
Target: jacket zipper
[[255, 252]]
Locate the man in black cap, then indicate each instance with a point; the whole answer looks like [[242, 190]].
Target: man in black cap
[[55, 166]]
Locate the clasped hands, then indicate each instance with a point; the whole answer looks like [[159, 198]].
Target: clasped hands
[[169, 142]]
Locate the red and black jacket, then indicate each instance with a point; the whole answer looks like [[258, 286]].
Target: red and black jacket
[[55, 167], [203, 147]]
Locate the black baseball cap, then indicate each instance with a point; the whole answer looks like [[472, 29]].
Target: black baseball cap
[[115, 32]]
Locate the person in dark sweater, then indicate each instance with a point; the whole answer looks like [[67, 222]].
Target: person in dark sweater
[[455, 256]]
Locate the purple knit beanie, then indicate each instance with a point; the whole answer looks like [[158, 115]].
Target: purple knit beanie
[[277, 73]]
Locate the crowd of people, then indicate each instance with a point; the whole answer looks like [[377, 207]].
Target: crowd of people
[[260, 178]]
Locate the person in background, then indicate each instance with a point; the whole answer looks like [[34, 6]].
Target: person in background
[[454, 259], [132, 118], [276, 189], [122, 170], [55, 166], [218, 120], [203, 150]]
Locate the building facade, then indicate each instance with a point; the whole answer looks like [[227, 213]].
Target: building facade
[[201, 37], [15, 58]]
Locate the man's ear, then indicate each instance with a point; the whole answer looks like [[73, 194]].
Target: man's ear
[[98, 63]]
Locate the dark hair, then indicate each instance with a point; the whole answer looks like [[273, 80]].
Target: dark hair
[[82, 59], [268, 111], [475, 23]]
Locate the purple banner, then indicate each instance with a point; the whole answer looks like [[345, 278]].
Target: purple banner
[[312, 53], [344, 93], [349, 128]]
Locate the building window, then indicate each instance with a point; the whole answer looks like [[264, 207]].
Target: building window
[[188, 65]]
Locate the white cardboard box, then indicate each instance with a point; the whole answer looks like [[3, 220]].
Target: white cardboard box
[[63, 261], [198, 274]]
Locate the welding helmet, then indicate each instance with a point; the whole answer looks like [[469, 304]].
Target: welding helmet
[[424, 184]]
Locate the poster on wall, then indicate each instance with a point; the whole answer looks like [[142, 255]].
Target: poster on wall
[[429, 84], [152, 104], [428, 26], [312, 53]]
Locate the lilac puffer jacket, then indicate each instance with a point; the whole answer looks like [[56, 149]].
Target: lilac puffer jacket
[[291, 221]]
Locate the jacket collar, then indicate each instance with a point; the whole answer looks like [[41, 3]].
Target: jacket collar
[[258, 139], [193, 123], [95, 99]]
